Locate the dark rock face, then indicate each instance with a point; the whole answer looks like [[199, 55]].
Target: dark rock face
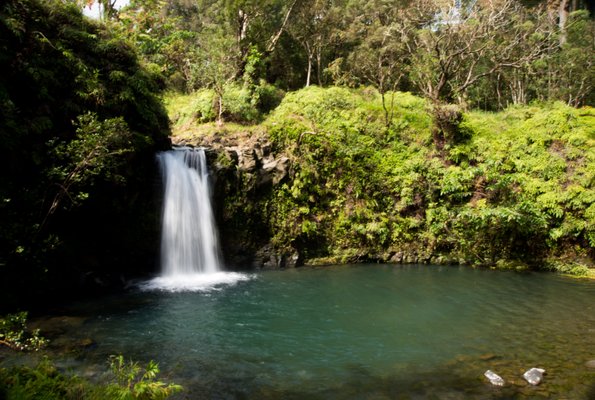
[[268, 258], [273, 172], [244, 173]]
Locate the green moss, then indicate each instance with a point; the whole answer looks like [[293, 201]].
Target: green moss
[[514, 265]]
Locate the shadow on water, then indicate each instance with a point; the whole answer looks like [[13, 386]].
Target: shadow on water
[[591, 392], [361, 384], [443, 383]]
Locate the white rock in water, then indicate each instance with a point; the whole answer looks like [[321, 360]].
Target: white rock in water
[[534, 375], [494, 378]]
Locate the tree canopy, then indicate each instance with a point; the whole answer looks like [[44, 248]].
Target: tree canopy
[[477, 53]]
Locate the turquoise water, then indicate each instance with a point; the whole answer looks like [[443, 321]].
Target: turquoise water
[[366, 331]]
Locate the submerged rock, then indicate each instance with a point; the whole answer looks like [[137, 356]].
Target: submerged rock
[[494, 378], [534, 376], [87, 343], [590, 364], [488, 357]]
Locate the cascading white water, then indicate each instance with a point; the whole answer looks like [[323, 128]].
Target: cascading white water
[[189, 245], [189, 237]]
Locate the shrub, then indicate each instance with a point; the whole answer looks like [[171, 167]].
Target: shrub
[[521, 189], [203, 105], [239, 104], [268, 97], [14, 333], [135, 382], [44, 381]]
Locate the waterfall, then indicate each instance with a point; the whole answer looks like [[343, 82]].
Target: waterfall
[[189, 236], [189, 245]]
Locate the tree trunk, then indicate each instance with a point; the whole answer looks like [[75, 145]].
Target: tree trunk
[[309, 73], [220, 106], [562, 20], [386, 114], [275, 38], [108, 9], [242, 26], [319, 66]]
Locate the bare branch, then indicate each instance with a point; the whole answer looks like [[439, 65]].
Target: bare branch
[[275, 38]]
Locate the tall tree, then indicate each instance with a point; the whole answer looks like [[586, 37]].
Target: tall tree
[[313, 28], [449, 56], [378, 51]]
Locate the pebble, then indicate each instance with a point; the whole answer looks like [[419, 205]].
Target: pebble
[[534, 375]]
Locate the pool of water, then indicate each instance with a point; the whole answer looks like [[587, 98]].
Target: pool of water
[[365, 331]]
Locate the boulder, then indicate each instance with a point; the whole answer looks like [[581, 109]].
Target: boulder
[[410, 259], [273, 172], [494, 378], [534, 376], [292, 260], [397, 258], [248, 160], [272, 262]]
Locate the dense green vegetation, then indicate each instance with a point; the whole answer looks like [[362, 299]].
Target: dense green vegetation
[[374, 170], [472, 52], [512, 189], [128, 381], [379, 174], [435, 133], [80, 123]]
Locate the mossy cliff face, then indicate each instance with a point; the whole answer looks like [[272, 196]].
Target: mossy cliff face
[[513, 189]]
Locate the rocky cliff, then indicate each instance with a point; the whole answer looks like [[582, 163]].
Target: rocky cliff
[[245, 171]]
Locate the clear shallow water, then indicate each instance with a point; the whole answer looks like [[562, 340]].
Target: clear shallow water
[[367, 331]]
